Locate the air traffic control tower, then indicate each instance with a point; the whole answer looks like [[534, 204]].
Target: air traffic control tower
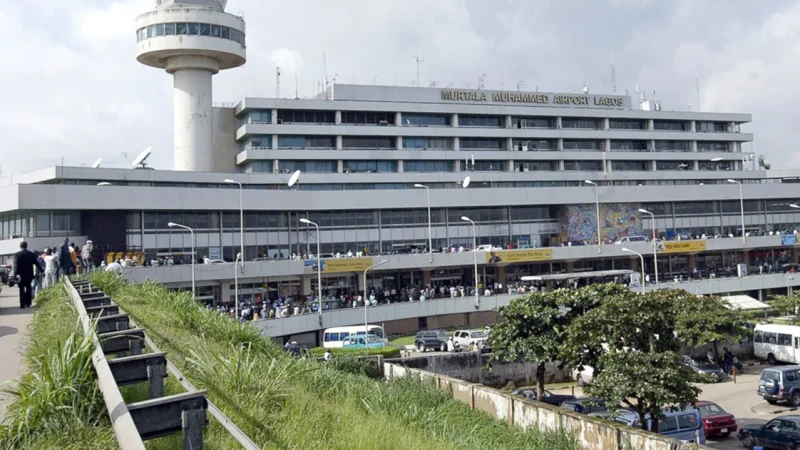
[[192, 40]]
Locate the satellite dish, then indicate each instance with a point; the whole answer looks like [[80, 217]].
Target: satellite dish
[[586, 89], [465, 183], [766, 164], [96, 164], [293, 179], [142, 158]]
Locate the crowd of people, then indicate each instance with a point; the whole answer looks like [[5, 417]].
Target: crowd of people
[[34, 270]]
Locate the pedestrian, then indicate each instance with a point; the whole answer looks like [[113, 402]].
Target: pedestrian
[[328, 355], [727, 360], [86, 255], [25, 261], [65, 259], [50, 268], [73, 256]]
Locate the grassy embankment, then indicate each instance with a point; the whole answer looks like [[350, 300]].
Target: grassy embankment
[[281, 402]]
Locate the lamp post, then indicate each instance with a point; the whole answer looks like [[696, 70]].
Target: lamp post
[[475, 255], [366, 300], [625, 249], [430, 237], [741, 208], [597, 212], [319, 267], [236, 285], [241, 217], [655, 253], [191, 231]]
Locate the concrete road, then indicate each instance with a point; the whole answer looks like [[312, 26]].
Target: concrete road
[[13, 331], [740, 399]]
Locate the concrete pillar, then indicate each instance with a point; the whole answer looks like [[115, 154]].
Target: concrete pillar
[[696, 165], [454, 120], [510, 144], [398, 119], [607, 145], [400, 166], [746, 257], [426, 277], [340, 166], [398, 144], [338, 142], [456, 143], [274, 141], [560, 165], [605, 123], [305, 285], [652, 145], [501, 274], [692, 262], [569, 266], [795, 254], [274, 115], [510, 167], [457, 166], [692, 126], [694, 146], [509, 122], [608, 166], [338, 119], [650, 125], [635, 264], [560, 144], [653, 166], [558, 123]]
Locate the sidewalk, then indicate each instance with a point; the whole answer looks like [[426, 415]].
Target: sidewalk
[[13, 331]]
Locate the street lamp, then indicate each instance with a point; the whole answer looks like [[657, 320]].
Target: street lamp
[[366, 300], [655, 254], [191, 231], [236, 284], [475, 255], [625, 249], [741, 208], [104, 183], [430, 238], [241, 217], [319, 267], [597, 211]]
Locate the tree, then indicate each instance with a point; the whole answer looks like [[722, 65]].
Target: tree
[[708, 320], [788, 306]]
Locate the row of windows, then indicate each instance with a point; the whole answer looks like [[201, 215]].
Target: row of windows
[[300, 142], [190, 28], [470, 120], [627, 124], [482, 143], [367, 118], [288, 116], [427, 120], [368, 142], [533, 122], [427, 143], [369, 166]]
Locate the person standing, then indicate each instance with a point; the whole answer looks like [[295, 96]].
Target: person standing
[[25, 262], [86, 255], [50, 268], [65, 259]]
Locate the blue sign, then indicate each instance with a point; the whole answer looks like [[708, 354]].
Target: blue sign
[[789, 239]]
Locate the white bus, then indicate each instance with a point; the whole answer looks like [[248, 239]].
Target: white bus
[[777, 343], [333, 337]]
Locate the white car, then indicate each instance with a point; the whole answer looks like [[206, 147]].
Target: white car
[[466, 337], [585, 376], [487, 248]]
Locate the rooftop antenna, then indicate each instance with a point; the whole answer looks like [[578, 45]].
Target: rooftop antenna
[[502, 80], [126, 158], [277, 82], [96, 164], [520, 84], [432, 84], [295, 87], [482, 81], [141, 160], [697, 91], [469, 86], [613, 73], [325, 73], [585, 88], [690, 106], [418, 60]]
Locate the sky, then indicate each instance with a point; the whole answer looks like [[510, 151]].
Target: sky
[[72, 91]]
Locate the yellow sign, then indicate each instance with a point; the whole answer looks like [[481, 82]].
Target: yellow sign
[[681, 246], [346, 265], [517, 256]]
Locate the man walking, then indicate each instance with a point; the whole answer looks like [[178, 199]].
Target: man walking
[[65, 258], [86, 255], [23, 268]]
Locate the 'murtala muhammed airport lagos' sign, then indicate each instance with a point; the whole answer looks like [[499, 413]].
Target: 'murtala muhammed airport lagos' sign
[[602, 101]]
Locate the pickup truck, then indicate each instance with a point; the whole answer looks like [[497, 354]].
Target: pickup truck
[[467, 337]]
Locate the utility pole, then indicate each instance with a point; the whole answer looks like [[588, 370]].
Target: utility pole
[[418, 60]]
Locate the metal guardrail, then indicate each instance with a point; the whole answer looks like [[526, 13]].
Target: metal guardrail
[[114, 333]]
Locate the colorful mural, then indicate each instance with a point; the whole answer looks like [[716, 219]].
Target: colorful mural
[[578, 222]]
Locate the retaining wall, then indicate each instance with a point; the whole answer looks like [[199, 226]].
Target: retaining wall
[[592, 433]]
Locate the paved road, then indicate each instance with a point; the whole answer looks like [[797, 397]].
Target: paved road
[[13, 331]]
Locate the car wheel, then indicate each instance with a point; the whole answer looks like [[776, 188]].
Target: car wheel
[[581, 381], [442, 347], [421, 348], [796, 399], [771, 359], [747, 442]]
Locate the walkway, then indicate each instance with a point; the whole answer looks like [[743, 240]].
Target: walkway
[[13, 331]]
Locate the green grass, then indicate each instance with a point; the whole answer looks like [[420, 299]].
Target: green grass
[[56, 403], [282, 402], [403, 340]]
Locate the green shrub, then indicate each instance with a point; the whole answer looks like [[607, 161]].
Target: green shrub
[[386, 352]]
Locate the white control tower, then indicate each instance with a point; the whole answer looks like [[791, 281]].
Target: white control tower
[[192, 40]]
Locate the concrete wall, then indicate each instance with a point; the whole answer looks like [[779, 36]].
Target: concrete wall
[[592, 433], [472, 367]]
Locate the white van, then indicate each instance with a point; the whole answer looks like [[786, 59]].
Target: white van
[[626, 239], [777, 343], [487, 248], [334, 337]]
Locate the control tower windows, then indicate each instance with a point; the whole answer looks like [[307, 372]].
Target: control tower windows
[[190, 28]]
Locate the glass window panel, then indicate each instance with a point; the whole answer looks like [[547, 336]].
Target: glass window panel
[[194, 28], [181, 28], [169, 29], [225, 32], [205, 29], [160, 29], [215, 30]]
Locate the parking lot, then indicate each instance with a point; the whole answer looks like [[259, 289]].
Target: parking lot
[[739, 399]]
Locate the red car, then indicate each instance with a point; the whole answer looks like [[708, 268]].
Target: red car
[[716, 421]]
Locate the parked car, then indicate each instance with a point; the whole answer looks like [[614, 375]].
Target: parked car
[[549, 397], [716, 421], [431, 340], [684, 424], [466, 337], [584, 405], [361, 341], [782, 432], [780, 384], [295, 349], [583, 375], [704, 368], [217, 261], [629, 239], [488, 247], [4, 272]]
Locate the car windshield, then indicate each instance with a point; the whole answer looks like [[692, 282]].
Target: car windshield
[[373, 339], [710, 409], [377, 332], [477, 334]]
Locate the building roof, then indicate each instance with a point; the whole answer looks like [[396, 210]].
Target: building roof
[[744, 302], [574, 275]]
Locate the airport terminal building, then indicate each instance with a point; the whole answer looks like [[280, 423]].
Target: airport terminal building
[[363, 151]]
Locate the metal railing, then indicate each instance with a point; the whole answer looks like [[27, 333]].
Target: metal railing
[[114, 333]]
